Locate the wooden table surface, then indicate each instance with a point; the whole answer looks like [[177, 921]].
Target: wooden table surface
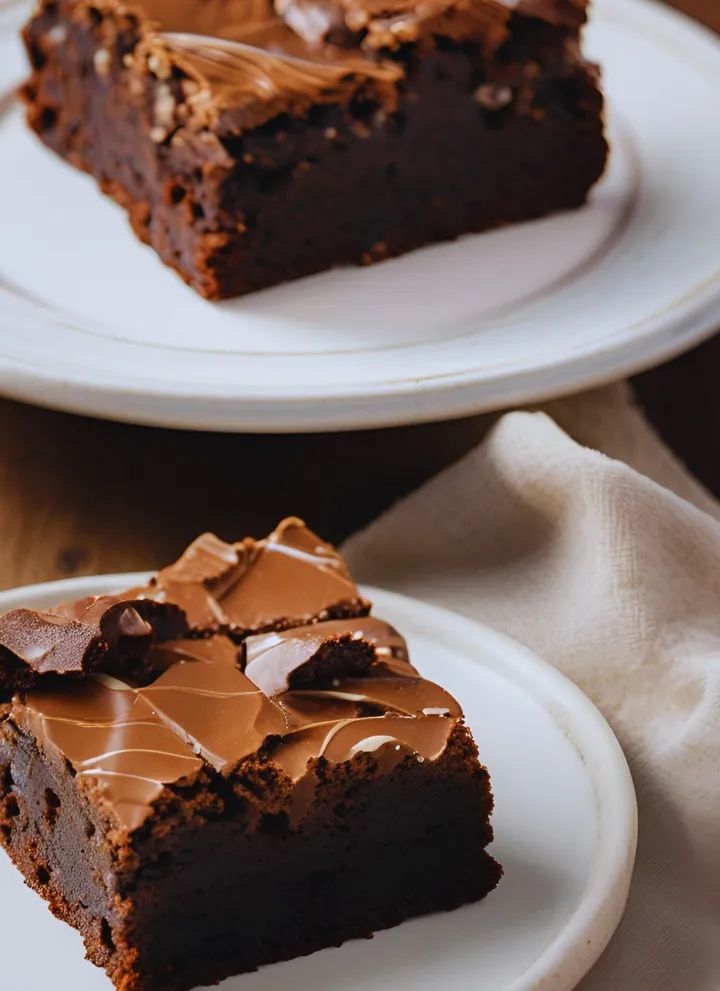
[[81, 496]]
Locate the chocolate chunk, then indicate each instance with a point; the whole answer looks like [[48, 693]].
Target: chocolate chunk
[[125, 619], [108, 633], [33, 644], [288, 579], [313, 656]]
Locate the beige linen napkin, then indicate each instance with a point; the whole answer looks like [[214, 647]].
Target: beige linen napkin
[[610, 569]]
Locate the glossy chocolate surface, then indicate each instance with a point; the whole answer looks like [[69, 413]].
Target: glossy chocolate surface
[[113, 738], [284, 659], [290, 578], [330, 691], [98, 633]]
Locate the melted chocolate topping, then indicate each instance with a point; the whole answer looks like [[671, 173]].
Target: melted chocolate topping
[[33, 644], [219, 649], [238, 55], [113, 739], [390, 737], [294, 576], [100, 633], [287, 659], [213, 18], [269, 68], [388, 24], [262, 59], [131, 742], [407, 696], [326, 692], [290, 578], [216, 710]]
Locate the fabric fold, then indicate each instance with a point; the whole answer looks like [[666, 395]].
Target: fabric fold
[[609, 568]]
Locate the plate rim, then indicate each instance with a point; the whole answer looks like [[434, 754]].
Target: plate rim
[[584, 937]]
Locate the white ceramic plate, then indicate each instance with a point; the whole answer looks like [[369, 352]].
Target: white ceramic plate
[[91, 321], [565, 824]]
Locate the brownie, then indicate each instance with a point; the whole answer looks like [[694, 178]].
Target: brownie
[[277, 780], [251, 145]]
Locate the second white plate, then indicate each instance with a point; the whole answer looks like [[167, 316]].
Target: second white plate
[[565, 826]]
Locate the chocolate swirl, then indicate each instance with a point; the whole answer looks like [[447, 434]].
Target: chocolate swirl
[[405, 696], [239, 57], [233, 75], [391, 738]]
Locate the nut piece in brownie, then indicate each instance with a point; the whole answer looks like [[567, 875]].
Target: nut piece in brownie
[[262, 790], [253, 144]]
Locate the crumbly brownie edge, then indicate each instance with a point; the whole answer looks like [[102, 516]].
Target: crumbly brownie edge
[[126, 927], [59, 844]]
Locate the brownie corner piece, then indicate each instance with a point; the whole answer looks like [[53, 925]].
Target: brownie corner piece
[[249, 153], [264, 790]]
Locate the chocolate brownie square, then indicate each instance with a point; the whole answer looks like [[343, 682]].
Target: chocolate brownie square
[[233, 765], [251, 145]]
